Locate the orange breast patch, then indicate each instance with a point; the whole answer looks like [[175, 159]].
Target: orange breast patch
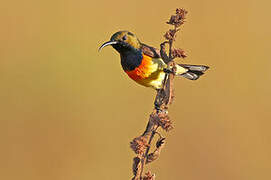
[[143, 71]]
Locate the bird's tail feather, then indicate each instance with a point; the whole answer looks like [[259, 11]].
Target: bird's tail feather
[[194, 71]]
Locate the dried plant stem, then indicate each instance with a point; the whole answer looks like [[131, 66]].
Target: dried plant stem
[[164, 97], [147, 150], [157, 118]]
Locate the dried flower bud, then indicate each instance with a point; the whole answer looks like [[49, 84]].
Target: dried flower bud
[[139, 145], [170, 35], [178, 19], [165, 122], [178, 53], [149, 176], [162, 119], [181, 12]]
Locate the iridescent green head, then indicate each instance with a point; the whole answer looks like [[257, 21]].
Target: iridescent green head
[[122, 41]]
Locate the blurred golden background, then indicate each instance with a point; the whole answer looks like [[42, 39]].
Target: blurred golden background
[[68, 112]]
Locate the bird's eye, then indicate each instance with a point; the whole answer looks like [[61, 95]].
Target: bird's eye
[[124, 38]]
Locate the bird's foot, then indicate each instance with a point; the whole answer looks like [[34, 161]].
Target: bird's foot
[[168, 71]]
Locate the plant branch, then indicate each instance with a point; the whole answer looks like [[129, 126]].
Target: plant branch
[[159, 117]]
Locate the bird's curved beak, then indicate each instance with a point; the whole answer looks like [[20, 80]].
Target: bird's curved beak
[[107, 44]]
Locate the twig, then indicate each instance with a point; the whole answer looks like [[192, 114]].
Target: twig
[[159, 117], [147, 151]]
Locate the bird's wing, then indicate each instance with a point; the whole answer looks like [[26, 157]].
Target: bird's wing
[[150, 51]]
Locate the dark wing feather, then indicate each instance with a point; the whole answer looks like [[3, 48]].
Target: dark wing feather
[[150, 51]]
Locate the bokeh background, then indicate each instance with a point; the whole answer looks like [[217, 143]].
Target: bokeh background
[[68, 112]]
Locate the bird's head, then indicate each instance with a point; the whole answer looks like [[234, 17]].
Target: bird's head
[[123, 41]]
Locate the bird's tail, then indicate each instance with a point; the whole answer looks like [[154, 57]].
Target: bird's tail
[[193, 71]]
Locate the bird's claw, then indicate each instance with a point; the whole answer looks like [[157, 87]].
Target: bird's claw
[[168, 71]]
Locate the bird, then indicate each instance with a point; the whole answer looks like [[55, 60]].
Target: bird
[[143, 63]]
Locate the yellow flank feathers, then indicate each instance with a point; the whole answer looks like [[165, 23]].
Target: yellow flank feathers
[[157, 75], [151, 72], [155, 80]]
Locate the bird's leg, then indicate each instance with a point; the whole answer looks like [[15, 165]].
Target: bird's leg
[[168, 71]]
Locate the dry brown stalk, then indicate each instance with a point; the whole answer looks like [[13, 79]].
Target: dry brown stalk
[[159, 117]]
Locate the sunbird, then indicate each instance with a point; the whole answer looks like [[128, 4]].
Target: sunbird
[[144, 64]]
